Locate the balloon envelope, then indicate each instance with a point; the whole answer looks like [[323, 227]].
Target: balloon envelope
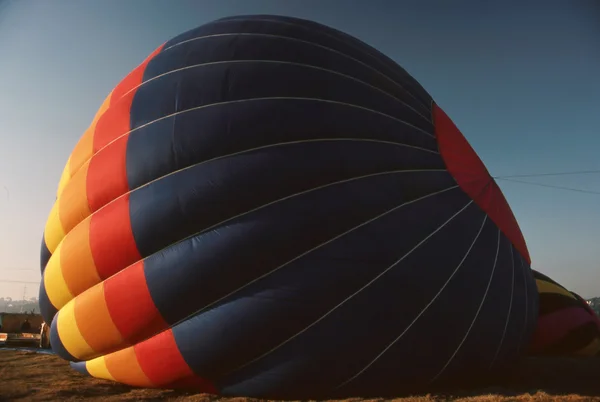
[[269, 207], [566, 326]]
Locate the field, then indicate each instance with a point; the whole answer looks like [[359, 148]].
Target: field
[[28, 376]]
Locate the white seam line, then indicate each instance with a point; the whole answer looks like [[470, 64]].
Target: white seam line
[[267, 98], [281, 37], [253, 150], [291, 63], [250, 100], [520, 344], [374, 54], [297, 257], [268, 204], [362, 51], [352, 295], [306, 252], [283, 144], [260, 148], [266, 147], [474, 318], [421, 313], [512, 290], [256, 100]]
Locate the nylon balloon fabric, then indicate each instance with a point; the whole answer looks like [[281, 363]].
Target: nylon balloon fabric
[[269, 207], [567, 326]]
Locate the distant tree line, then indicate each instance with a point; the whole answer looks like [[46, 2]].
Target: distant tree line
[[595, 304], [8, 305]]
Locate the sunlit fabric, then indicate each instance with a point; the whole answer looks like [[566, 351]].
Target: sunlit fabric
[[567, 326], [269, 207]]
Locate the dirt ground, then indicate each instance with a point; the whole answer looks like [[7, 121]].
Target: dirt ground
[[28, 376]]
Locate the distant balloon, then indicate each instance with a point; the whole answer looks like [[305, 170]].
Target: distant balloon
[[7, 193], [269, 207], [566, 325]]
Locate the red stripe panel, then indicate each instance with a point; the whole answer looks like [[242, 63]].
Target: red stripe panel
[[130, 304], [163, 364], [107, 175], [111, 239], [116, 122], [472, 176], [554, 326]]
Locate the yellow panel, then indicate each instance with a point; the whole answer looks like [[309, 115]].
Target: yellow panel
[[97, 368], [547, 287], [95, 323], [69, 333], [103, 108], [54, 232], [73, 203], [84, 150], [54, 282], [64, 178]]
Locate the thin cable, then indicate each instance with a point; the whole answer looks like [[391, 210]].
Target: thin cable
[[551, 186], [550, 174], [13, 281]]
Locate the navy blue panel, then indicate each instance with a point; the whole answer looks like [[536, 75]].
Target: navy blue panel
[[45, 255], [522, 302], [47, 310], [177, 142], [191, 200], [483, 340], [514, 293], [205, 268], [229, 49], [259, 229], [370, 321], [80, 367], [216, 83], [315, 33], [57, 345], [317, 282], [533, 304]]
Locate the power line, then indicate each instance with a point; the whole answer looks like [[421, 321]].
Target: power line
[[550, 174], [13, 281], [550, 186]]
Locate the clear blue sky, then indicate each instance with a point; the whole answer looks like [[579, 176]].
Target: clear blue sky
[[520, 79]]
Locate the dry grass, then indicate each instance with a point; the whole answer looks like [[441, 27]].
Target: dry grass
[[27, 376]]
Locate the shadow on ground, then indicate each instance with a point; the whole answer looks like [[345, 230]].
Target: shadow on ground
[[28, 376]]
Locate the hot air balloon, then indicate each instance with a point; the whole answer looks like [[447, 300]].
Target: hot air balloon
[[567, 326], [269, 207]]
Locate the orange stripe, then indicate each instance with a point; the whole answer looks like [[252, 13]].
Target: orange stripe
[[85, 147], [116, 122], [124, 367], [78, 267], [95, 324], [111, 238], [107, 175], [73, 201]]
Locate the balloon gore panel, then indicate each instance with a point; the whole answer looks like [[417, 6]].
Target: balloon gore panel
[[566, 326], [269, 207]]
